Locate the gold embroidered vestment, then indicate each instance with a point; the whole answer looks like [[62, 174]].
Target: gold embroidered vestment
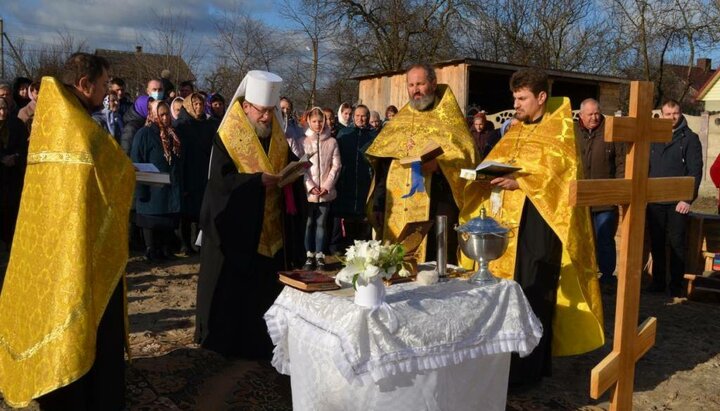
[[241, 142], [546, 152], [69, 251], [406, 135]]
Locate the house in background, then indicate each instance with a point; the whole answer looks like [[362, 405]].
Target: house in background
[[678, 78], [484, 84], [709, 93], [137, 67]]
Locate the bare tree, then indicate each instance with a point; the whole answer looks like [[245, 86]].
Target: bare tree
[[558, 34], [171, 39], [699, 23], [244, 44], [388, 34], [651, 31], [46, 60], [319, 27]]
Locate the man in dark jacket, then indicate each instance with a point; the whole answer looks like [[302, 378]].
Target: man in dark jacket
[[681, 156], [349, 216], [133, 120], [117, 87], [600, 160]]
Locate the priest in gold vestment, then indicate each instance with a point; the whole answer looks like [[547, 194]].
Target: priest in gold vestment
[[551, 253], [404, 194], [62, 312], [241, 222]]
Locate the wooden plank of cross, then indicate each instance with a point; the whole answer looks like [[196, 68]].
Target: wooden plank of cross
[[633, 192]]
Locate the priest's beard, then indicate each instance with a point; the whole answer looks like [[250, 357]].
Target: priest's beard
[[423, 103], [262, 130]]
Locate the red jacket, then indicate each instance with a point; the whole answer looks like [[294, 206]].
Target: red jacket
[[715, 171]]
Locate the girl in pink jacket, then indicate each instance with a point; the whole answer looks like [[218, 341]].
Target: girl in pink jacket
[[320, 181]]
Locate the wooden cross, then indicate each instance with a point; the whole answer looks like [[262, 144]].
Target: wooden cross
[[634, 192]]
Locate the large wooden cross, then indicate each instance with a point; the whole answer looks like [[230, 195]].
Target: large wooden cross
[[634, 192]]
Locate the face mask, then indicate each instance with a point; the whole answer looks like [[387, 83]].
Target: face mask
[[157, 95]]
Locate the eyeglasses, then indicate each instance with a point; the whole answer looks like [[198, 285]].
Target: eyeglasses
[[263, 111]]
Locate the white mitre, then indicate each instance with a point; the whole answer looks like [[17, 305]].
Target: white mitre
[[259, 87]]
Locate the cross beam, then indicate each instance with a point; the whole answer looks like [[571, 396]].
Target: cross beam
[[634, 192]]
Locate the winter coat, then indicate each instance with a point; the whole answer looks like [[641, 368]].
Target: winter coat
[[110, 122], [715, 171], [132, 122], [326, 165], [157, 200], [27, 113], [484, 141], [600, 160], [682, 156], [196, 137], [353, 184]]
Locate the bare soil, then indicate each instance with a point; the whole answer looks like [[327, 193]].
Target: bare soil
[[681, 372]]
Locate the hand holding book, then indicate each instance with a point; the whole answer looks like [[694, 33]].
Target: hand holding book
[[488, 170], [293, 171], [431, 151]]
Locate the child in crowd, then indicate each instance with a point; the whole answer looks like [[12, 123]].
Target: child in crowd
[[320, 180]]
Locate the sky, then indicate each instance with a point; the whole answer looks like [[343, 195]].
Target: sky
[[123, 24], [120, 24]]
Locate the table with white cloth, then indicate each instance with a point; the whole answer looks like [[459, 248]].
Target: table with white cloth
[[444, 346]]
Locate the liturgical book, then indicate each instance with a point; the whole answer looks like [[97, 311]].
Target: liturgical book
[[488, 170]]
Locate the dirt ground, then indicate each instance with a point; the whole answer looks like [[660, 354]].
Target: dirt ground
[[681, 372]]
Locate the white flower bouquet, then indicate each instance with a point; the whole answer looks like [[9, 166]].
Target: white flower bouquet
[[369, 260]]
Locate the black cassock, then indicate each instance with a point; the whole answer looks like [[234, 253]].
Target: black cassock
[[236, 285], [537, 270]]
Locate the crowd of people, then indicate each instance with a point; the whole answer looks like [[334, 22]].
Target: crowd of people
[[224, 158]]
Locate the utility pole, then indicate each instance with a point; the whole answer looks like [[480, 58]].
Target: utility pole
[[17, 55], [2, 50]]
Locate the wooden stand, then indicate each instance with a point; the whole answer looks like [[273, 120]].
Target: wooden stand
[[702, 283], [631, 342], [703, 242]]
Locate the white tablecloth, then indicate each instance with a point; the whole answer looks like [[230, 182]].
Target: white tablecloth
[[439, 347]]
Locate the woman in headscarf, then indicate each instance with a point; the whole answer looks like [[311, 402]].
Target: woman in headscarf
[[344, 115], [483, 134], [27, 113], [196, 133], [13, 157], [215, 107], [157, 207], [20, 91], [175, 108]]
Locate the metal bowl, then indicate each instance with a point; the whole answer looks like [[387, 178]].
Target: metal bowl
[[483, 247]]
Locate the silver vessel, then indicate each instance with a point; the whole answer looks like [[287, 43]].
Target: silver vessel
[[483, 239]]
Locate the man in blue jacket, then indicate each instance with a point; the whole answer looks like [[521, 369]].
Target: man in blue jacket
[[681, 156]]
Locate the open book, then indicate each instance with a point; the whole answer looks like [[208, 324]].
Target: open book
[[308, 280], [294, 170], [429, 152], [488, 170], [147, 173]]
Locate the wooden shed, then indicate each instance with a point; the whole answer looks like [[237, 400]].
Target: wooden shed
[[484, 84]]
